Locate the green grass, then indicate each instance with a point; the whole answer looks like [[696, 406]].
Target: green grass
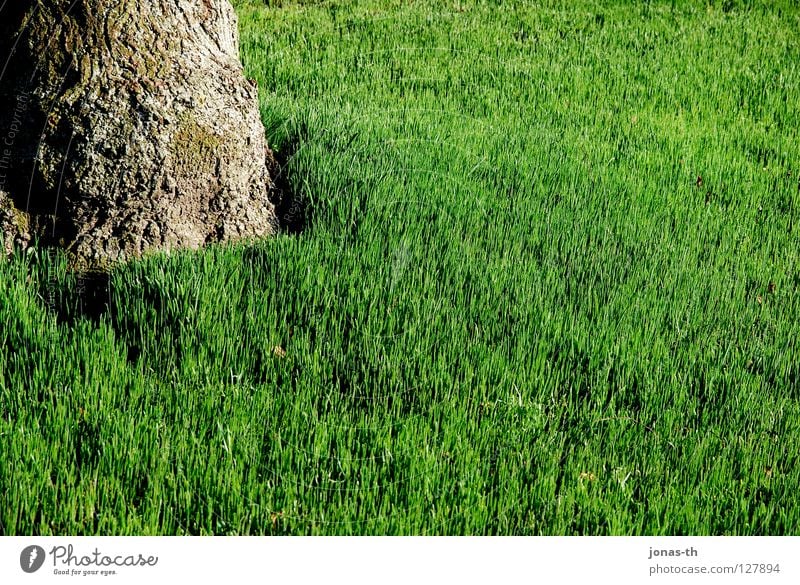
[[550, 285]]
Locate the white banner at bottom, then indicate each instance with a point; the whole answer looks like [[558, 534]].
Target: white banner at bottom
[[417, 560]]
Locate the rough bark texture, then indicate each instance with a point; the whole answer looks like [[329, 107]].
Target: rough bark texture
[[127, 126], [14, 229]]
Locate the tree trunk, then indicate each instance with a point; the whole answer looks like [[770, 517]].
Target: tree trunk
[[128, 126]]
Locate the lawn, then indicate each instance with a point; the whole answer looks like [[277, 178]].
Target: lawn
[[543, 277]]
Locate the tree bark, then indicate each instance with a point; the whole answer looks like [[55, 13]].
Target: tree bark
[[128, 126]]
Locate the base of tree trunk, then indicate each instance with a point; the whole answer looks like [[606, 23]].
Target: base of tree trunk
[[127, 127]]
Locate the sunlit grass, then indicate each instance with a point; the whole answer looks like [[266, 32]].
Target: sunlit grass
[[549, 285]]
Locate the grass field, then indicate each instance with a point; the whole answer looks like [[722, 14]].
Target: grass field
[[548, 282]]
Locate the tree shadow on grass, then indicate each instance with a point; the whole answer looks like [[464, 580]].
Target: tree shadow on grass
[[292, 208], [68, 294]]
